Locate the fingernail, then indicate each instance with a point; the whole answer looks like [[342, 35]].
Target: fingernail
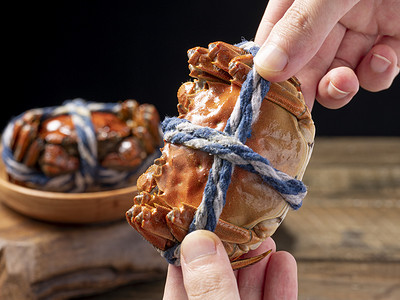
[[198, 245], [271, 58], [379, 63], [336, 93]]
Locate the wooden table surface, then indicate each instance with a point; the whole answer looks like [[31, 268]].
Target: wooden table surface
[[346, 237]]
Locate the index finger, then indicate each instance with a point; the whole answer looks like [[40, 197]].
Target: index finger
[[296, 34], [273, 13], [174, 287]]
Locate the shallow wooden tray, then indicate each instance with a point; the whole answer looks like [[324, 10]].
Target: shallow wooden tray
[[90, 207]]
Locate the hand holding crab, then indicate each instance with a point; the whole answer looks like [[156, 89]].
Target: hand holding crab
[[205, 273], [345, 52]]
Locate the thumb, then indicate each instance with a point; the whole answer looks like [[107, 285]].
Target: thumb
[[207, 273], [296, 34]]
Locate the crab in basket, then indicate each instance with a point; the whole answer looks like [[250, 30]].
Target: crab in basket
[[49, 143], [172, 188]]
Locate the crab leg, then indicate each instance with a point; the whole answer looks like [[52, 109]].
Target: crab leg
[[201, 66], [24, 133], [246, 262], [184, 91], [179, 220], [222, 61], [151, 223], [239, 67], [231, 235], [222, 53], [237, 63]]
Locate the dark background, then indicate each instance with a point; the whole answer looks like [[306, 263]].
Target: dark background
[[113, 50]]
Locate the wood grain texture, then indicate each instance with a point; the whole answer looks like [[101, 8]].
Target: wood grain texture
[[345, 238], [41, 260]]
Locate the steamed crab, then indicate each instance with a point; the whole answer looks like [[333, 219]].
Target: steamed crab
[[172, 188], [49, 144]]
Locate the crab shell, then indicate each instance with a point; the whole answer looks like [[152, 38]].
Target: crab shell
[[172, 188], [49, 144]]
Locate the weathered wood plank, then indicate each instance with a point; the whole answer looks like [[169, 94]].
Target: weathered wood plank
[[318, 280], [356, 150], [151, 290], [346, 236], [40, 260], [353, 206], [342, 233], [349, 168], [333, 280]]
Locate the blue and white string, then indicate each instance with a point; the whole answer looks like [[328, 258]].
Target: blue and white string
[[229, 149], [91, 175]]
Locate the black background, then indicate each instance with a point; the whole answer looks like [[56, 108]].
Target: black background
[[113, 50]]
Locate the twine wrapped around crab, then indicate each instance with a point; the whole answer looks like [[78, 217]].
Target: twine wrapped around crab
[[173, 189], [81, 146]]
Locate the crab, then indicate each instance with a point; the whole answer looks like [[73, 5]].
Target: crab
[[172, 188], [49, 144]]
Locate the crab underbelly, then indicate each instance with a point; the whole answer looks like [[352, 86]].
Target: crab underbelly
[[249, 200], [184, 176]]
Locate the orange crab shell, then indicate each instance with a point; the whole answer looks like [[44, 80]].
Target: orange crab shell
[[48, 144], [173, 187]]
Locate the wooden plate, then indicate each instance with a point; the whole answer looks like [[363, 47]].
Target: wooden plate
[[66, 207]]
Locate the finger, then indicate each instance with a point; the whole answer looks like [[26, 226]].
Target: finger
[[337, 87], [340, 84], [379, 67], [273, 13], [251, 279], [353, 47], [174, 288], [281, 277], [297, 37], [207, 272], [317, 67]]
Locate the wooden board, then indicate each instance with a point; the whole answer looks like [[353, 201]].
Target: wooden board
[[345, 237], [41, 260]]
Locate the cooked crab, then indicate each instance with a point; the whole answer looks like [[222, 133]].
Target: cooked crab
[[172, 188], [49, 144]]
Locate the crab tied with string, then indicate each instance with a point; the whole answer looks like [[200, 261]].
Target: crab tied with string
[[174, 191], [80, 146]]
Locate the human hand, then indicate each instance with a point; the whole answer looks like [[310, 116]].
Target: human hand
[[206, 273], [333, 47]]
